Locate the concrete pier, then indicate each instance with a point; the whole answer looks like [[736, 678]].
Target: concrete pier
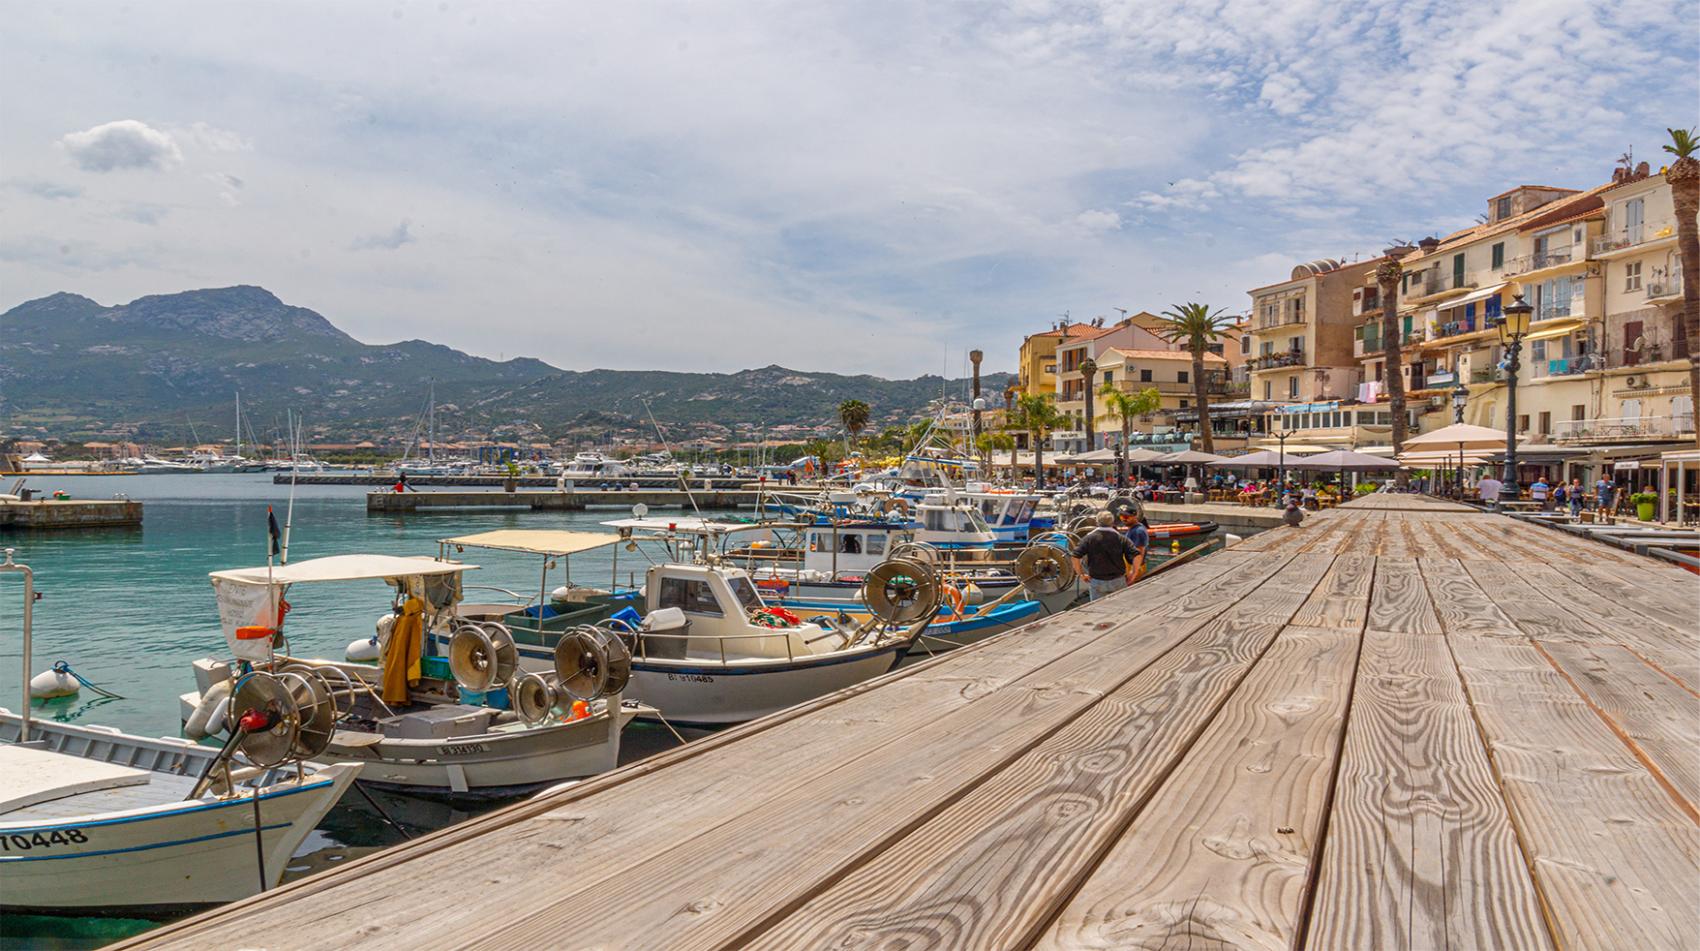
[[58, 514], [550, 499]]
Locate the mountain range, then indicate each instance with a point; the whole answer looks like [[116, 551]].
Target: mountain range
[[166, 367]]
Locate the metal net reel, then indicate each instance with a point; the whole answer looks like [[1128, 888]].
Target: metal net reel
[[619, 660], [1044, 569], [920, 552], [582, 663], [268, 697], [1057, 538], [900, 591], [482, 655], [1081, 526], [534, 696], [315, 709]]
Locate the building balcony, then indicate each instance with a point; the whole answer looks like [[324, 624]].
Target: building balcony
[[1288, 358], [1435, 282], [1626, 239], [1536, 262], [1621, 428], [1285, 320], [1661, 289], [1487, 375]]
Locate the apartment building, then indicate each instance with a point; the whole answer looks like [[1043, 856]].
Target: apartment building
[[1300, 346], [1131, 354], [1036, 367]]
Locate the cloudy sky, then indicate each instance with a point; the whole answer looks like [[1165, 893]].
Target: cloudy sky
[[862, 186]]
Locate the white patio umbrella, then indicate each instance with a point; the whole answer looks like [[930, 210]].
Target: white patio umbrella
[[1459, 436]]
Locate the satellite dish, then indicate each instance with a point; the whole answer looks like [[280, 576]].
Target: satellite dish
[[533, 697], [581, 664], [639, 510], [482, 656]]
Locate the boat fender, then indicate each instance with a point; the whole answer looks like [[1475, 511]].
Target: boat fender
[[53, 683], [971, 594], [213, 702], [1230, 540]]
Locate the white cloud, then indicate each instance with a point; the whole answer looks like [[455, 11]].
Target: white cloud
[[1098, 219], [126, 143], [213, 139], [386, 240], [229, 187]]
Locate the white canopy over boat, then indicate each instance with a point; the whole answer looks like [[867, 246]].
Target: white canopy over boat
[[342, 568], [536, 541]]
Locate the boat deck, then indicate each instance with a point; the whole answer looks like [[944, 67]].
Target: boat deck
[[1405, 724]]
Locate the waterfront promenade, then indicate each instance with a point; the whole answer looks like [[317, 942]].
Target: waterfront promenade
[[1406, 724]]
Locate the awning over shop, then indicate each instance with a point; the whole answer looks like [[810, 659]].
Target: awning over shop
[[1473, 297]]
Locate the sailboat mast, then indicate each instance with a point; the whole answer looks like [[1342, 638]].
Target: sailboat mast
[[238, 422], [431, 425]]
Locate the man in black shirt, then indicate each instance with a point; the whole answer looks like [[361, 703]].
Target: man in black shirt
[[1108, 558]]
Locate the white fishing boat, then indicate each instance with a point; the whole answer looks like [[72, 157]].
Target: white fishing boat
[[98, 822], [594, 465], [707, 650], [431, 733]]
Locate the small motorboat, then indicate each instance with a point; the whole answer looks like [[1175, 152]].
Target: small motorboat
[[98, 822], [707, 649], [449, 736]]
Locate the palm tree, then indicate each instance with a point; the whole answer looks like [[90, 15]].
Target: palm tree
[[1195, 327], [854, 414], [1126, 406], [1038, 415], [1088, 371], [989, 443], [1387, 275], [1683, 176]]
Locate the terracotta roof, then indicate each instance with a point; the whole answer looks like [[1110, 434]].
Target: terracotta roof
[[1164, 355], [1556, 209], [1597, 211], [1549, 188]]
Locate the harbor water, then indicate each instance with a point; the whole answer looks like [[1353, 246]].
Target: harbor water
[[129, 609]]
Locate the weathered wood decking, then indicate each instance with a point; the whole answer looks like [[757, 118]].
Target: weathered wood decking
[[1403, 725]]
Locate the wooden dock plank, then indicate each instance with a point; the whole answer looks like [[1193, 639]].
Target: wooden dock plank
[[1342, 598], [1418, 820], [723, 881], [1613, 855], [990, 870], [1222, 854], [1657, 717], [1400, 602]]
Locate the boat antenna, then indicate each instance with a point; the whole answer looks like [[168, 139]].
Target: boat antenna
[[684, 483], [294, 470]]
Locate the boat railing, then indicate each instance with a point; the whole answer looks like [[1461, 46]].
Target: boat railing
[[721, 640]]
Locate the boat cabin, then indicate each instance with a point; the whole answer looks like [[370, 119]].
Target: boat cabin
[[949, 525]]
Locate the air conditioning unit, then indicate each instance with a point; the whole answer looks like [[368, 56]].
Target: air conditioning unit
[[1635, 382]]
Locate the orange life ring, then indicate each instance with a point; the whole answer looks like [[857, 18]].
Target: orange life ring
[[953, 597]]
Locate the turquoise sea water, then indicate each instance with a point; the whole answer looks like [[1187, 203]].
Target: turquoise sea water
[[131, 608]]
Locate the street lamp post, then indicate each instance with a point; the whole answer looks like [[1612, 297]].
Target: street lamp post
[[1460, 397], [1511, 332], [1281, 466]]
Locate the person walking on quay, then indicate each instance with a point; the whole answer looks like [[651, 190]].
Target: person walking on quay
[[1538, 493], [1138, 531], [1106, 557], [1603, 492], [1488, 489], [1576, 499]]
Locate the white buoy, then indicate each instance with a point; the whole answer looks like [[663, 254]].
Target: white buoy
[[53, 683], [365, 649]]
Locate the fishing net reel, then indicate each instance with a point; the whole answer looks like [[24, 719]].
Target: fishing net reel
[[1044, 569], [591, 662], [482, 655], [903, 591], [283, 717], [920, 552]]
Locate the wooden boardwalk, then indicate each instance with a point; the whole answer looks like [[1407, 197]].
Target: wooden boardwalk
[[1404, 725]]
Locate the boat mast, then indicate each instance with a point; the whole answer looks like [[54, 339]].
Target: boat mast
[[431, 424], [239, 423]]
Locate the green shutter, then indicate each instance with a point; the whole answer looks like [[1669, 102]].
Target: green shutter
[[1458, 270], [1499, 255]]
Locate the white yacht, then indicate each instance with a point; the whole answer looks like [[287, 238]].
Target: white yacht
[[594, 465]]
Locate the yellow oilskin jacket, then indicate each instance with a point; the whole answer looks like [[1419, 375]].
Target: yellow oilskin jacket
[[401, 653]]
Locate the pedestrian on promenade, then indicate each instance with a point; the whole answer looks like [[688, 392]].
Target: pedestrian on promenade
[[1576, 499], [1489, 488], [1138, 531], [1539, 493], [1106, 557], [1603, 492]]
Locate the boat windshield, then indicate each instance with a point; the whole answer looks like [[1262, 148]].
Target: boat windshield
[[975, 522], [746, 594]]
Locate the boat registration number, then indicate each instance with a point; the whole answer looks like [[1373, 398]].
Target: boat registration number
[[692, 678], [42, 840], [463, 749]]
